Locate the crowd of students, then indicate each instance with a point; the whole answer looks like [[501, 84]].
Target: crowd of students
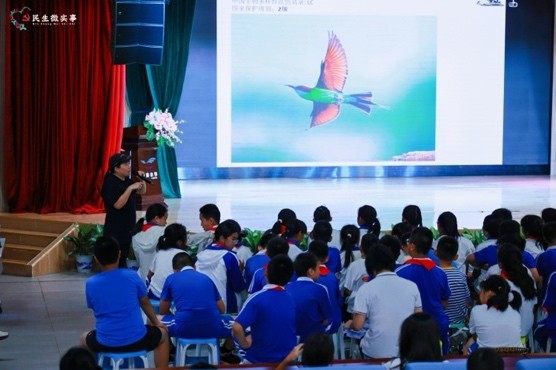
[[355, 278]]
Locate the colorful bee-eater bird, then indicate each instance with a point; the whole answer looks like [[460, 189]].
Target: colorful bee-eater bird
[[328, 95]]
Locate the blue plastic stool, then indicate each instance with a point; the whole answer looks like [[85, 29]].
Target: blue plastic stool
[[118, 359], [184, 343]]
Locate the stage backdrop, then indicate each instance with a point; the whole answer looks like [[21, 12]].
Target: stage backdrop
[[454, 87]]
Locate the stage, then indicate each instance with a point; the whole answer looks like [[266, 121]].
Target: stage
[[254, 203]]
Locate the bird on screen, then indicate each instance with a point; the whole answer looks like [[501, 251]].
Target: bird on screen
[[327, 96]]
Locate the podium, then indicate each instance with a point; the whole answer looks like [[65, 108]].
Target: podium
[[143, 158]]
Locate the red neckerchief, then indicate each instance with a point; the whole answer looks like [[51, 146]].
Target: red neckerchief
[[213, 228], [323, 270], [265, 266], [221, 245], [365, 278], [276, 287], [425, 262], [503, 274], [147, 226]]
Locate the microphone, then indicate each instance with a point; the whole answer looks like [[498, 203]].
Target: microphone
[[147, 180]]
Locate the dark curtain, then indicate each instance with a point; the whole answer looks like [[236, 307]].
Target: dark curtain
[[138, 94], [64, 108], [166, 82]]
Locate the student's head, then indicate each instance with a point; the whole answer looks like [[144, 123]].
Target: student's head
[[402, 229], [367, 242], [295, 229], [182, 260], [226, 234], [209, 215], [548, 215], [491, 225], [367, 217], [393, 244], [306, 264], [447, 249], [419, 339], [267, 235], [420, 242], [175, 236], [502, 213], [78, 358], [319, 249], [318, 350], [549, 233], [509, 227], [349, 236], [412, 214], [447, 224], [322, 213], [322, 231], [531, 225], [277, 246], [157, 214], [119, 164], [234, 225], [279, 270], [495, 292], [379, 259], [284, 216], [485, 358], [106, 250]]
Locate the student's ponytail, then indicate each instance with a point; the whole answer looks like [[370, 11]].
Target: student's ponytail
[[502, 297], [514, 299], [349, 235]]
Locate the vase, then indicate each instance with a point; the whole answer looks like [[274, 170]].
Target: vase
[[84, 263]]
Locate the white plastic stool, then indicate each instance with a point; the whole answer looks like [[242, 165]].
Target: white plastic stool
[[117, 359], [339, 345], [184, 343]]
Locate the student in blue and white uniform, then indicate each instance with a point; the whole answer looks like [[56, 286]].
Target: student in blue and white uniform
[[259, 259], [275, 246], [322, 231]]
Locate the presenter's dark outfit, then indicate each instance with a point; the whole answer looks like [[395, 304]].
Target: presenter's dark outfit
[[118, 223]]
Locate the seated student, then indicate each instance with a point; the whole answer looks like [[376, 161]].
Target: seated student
[[117, 297], [447, 252], [402, 231], [496, 321], [485, 359], [259, 259], [209, 215], [419, 342], [356, 274], [322, 231], [349, 252], [78, 358], [447, 225], [546, 263], [284, 216], [430, 279], [146, 235], [294, 234], [198, 304], [317, 351], [382, 311], [531, 226], [546, 328], [221, 265], [275, 246], [242, 252], [270, 313], [322, 213], [368, 221], [169, 244], [329, 280], [312, 306], [395, 246], [548, 215], [412, 215]]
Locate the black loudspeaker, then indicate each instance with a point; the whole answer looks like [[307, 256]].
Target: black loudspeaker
[[138, 32]]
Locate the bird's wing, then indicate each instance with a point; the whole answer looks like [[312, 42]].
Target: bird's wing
[[323, 113], [333, 70]]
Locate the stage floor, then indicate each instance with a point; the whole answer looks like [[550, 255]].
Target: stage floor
[[255, 203]]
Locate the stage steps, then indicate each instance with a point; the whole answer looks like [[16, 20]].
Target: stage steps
[[34, 246]]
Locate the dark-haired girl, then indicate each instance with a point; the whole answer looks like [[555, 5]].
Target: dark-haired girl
[[496, 321]]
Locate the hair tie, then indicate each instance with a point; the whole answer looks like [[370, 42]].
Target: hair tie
[[349, 235], [280, 221]]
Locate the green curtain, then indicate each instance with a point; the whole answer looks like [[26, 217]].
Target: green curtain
[[166, 82], [138, 94]]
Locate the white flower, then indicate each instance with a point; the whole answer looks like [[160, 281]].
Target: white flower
[[162, 127]]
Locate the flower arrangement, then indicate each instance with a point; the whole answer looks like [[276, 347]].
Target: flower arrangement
[[162, 128]]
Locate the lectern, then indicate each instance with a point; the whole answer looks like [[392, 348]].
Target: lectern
[[143, 158]]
